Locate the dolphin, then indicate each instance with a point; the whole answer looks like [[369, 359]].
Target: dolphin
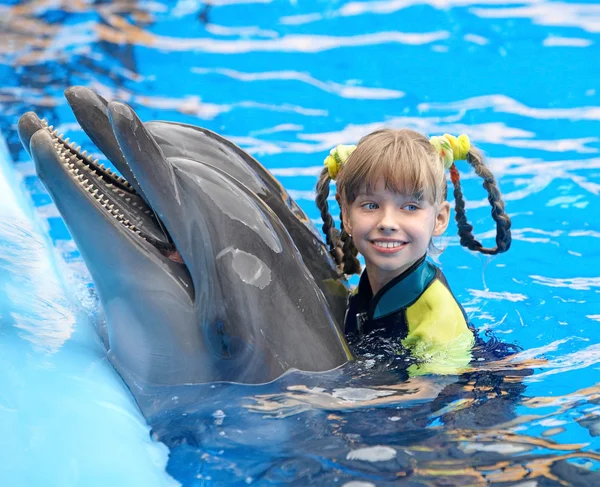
[[199, 279]]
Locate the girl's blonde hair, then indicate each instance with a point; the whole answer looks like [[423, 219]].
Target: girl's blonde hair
[[409, 164], [404, 159]]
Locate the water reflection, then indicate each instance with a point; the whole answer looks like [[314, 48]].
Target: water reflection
[[459, 430], [581, 15]]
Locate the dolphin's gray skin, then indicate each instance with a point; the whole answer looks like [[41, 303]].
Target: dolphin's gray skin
[[199, 279]]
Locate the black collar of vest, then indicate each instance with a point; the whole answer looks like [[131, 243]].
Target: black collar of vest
[[400, 292]]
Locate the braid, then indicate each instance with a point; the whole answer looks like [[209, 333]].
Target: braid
[[465, 229], [350, 264], [332, 236]]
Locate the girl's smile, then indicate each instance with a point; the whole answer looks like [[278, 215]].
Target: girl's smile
[[388, 246]]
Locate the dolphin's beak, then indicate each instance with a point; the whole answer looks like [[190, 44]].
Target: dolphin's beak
[[96, 212], [111, 196], [75, 187]]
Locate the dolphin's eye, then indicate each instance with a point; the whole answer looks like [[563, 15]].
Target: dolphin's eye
[[218, 341]]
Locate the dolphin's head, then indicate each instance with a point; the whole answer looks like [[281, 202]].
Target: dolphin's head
[[199, 279]]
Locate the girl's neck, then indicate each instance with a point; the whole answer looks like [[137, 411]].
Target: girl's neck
[[379, 278]]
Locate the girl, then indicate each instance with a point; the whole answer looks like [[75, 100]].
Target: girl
[[392, 192]]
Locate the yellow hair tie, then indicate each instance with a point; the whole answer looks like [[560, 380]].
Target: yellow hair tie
[[451, 148], [337, 158]]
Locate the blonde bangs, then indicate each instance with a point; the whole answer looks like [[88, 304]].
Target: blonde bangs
[[404, 159]]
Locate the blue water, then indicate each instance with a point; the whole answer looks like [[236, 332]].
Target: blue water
[[287, 81]]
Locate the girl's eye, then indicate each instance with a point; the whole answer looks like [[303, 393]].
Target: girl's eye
[[370, 206], [411, 207]]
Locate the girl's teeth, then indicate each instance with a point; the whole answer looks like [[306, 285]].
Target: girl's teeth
[[388, 245]]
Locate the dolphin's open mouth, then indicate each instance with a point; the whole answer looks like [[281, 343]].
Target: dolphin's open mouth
[[112, 194]]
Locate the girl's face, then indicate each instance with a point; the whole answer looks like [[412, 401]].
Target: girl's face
[[392, 230]]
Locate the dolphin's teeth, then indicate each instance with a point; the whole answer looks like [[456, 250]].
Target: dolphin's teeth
[[82, 167]]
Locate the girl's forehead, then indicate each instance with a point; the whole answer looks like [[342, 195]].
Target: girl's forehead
[[382, 188]]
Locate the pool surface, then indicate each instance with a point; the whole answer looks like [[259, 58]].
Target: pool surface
[[287, 81]]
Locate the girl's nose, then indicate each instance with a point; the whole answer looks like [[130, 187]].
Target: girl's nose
[[387, 222]]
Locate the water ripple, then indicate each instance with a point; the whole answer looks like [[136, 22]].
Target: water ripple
[[122, 32], [387, 7], [343, 90], [503, 296], [505, 104], [578, 283], [584, 16], [556, 41]]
